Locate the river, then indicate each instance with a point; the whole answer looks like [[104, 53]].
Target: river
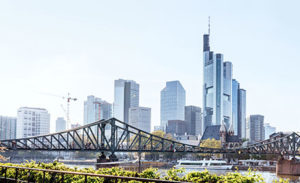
[[269, 177]]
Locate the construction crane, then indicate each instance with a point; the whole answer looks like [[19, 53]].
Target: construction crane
[[69, 99]]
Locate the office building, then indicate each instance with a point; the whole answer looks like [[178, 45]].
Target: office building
[[61, 124], [193, 120], [238, 109], [32, 122], [255, 128], [176, 127], [96, 109], [269, 130], [140, 117], [126, 95], [235, 106], [242, 114], [7, 127], [217, 88], [172, 103]]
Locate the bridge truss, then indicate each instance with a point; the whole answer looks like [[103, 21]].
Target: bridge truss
[[116, 136]]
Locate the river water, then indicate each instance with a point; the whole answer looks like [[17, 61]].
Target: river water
[[269, 177]]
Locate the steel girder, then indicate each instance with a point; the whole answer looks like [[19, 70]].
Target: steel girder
[[114, 135]]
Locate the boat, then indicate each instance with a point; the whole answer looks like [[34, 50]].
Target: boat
[[204, 164]]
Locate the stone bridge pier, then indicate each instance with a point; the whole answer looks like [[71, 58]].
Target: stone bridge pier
[[288, 167]]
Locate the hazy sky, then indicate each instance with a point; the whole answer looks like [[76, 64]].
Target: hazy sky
[[81, 47]]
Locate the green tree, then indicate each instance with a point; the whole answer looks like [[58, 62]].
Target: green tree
[[2, 150]]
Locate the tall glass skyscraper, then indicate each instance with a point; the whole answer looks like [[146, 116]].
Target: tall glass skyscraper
[[126, 95], [96, 109], [172, 102], [193, 120], [217, 88], [235, 106], [242, 113], [7, 127]]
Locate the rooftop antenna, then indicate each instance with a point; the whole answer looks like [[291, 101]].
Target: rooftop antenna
[[208, 25]]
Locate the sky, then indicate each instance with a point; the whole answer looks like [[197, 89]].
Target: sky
[[50, 48]]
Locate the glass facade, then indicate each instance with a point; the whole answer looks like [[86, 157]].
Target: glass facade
[[61, 124], [126, 95], [96, 109], [255, 128], [140, 117], [193, 120], [242, 113], [269, 130], [172, 102], [235, 106], [7, 127]]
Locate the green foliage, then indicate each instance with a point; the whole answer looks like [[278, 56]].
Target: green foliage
[[151, 173]]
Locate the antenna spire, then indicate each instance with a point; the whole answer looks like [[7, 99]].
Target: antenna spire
[[208, 25]]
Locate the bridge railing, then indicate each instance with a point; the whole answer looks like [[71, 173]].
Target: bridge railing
[[60, 176]]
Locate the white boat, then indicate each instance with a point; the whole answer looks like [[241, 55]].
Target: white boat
[[204, 164]]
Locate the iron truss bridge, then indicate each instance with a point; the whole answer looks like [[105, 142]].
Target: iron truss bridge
[[116, 136]]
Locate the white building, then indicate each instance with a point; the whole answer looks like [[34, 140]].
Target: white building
[[32, 122], [126, 95], [140, 117], [61, 124], [96, 109]]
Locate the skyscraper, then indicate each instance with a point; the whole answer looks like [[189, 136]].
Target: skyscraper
[[96, 109], [61, 124], [255, 128], [172, 102], [140, 117], [217, 88], [7, 127], [32, 122], [269, 130], [126, 95], [235, 106], [242, 114], [193, 120]]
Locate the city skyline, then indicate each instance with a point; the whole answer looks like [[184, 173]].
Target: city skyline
[[65, 59]]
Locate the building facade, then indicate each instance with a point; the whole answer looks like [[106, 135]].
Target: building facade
[[172, 103], [140, 117], [242, 114], [32, 122], [238, 109], [255, 130], [126, 95], [61, 124], [193, 120], [7, 127], [269, 130], [176, 127], [217, 88], [96, 109]]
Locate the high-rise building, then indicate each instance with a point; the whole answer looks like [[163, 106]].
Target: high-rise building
[[172, 103], [7, 127], [140, 117], [242, 114], [96, 109], [255, 128], [32, 122], [176, 127], [238, 109], [235, 106], [126, 95], [61, 124], [269, 130], [217, 88], [193, 120]]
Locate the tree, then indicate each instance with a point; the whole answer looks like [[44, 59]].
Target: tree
[[211, 143], [2, 150]]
